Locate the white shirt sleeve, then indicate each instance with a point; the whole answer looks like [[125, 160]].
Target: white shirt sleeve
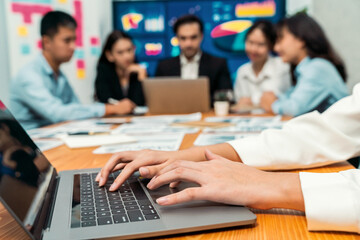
[[332, 200], [310, 140], [241, 87]]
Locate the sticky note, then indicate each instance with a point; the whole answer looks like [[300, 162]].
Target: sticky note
[[95, 51], [79, 53], [80, 64], [25, 49], [80, 74], [94, 41], [22, 31], [62, 1]]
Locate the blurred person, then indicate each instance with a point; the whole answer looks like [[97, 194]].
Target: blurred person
[[319, 74]]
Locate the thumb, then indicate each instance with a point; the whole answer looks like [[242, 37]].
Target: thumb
[[211, 156]]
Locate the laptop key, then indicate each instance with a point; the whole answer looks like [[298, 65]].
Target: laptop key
[[84, 214], [86, 204], [100, 205], [146, 207], [115, 202], [126, 199], [118, 211], [88, 224], [105, 221], [103, 214], [135, 216], [86, 209], [130, 203], [138, 191], [88, 218], [120, 218], [152, 217], [149, 212], [130, 208], [102, 209], [117, 207]]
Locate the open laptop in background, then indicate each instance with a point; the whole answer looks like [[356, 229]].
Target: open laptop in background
[[176, 95], [70, 205]]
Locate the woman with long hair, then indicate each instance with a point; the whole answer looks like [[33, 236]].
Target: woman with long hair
[[118, 75], [318, 73], [264, 72]]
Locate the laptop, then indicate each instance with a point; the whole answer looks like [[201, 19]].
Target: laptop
[[165, 95], [70, 205]]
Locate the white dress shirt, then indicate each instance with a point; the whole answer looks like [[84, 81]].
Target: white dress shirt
[[274, 76], [190, 69], [332, 200]]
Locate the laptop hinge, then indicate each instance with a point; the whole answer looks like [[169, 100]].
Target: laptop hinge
[[43, 220]]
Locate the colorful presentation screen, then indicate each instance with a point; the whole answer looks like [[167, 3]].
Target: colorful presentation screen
[[225, 25]]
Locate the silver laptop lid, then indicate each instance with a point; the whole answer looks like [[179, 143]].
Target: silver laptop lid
[[26, 176]]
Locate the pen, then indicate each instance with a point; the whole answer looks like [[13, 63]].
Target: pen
[[87, 133]]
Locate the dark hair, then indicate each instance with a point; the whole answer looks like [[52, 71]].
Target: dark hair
[[267, 28], [317, 45], [113, 37], [51, 22], [186, 20]]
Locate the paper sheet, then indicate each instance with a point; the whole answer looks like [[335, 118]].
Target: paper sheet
[[164, 142], [47, 144], [80, 141], [168, 118], [138, 128], [215, 138]]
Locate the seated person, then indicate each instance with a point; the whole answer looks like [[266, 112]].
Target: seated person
[[40, 94], [264, 72], [319, 73], [118, 76], [193, 62], [329, 200]]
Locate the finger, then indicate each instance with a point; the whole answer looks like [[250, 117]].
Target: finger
[[189, 194], [151, 171], [181, 163], [178, 174], [116, 168], [174, 184], [130, 168], [211, 156], [113, 161]]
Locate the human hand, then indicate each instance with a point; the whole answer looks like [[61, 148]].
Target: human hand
[[148, 162], [225, 181], [244, 101], [140, 70], [267, 100], [124, 106]]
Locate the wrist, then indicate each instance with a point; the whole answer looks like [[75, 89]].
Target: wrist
[[283, 190]]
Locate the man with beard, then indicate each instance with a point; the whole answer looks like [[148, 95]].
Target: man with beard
[[192, 62]]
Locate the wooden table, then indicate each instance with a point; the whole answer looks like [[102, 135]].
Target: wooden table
[[271, 224]]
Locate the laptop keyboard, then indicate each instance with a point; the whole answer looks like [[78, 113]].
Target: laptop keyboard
[[98, 206]]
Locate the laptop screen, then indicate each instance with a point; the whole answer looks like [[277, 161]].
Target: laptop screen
[[25, 173]]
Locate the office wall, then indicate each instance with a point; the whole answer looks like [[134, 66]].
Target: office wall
[[341, 19], [22, 21], [4, 66]]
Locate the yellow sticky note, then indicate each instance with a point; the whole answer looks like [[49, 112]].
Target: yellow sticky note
[[80, 74], [62, 1], [22, 31]]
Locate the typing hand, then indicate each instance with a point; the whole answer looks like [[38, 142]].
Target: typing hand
[[229, 182], [148, 161], [267, 100]]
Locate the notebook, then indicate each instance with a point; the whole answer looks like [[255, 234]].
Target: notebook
[[175, 95], [70, 205]]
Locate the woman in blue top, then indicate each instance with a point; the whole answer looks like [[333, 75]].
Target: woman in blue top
[[318, 73]]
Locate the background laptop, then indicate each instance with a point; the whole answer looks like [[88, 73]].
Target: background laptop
[[176, 95], [70, 205]]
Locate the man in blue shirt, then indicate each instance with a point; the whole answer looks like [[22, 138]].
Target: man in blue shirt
[[40, 94]]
